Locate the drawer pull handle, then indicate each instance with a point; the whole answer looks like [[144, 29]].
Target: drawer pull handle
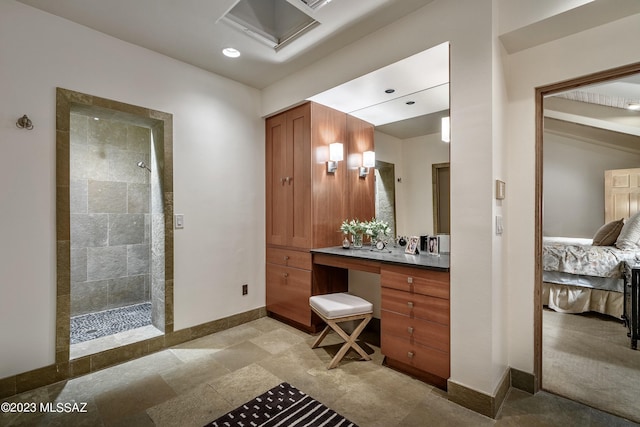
[[409, 280], [410, 330], [410, 354], [286, 257], [286, 275], [410, 304]]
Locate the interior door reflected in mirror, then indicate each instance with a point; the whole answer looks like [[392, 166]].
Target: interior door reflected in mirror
[[408, 103]]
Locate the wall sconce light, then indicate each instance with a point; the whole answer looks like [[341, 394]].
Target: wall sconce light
[[368, 161], [24, 122], [446, 129], [336, 154]]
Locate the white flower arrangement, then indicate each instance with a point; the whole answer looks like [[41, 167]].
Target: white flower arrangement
[[372, 228], [375, 227], [353, 226]]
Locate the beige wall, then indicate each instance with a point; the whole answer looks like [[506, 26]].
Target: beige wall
[[218, 190], [604, 47], [574, 183]]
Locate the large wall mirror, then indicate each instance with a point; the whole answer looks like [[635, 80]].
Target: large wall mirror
[[408, 102]]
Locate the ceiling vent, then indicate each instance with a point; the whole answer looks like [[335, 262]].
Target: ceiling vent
[[272, 22], [314, 4]]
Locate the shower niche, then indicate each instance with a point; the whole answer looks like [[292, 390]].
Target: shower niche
[[119, 201]]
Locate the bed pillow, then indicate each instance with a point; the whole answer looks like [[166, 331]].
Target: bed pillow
[[630, 234], [608, 233]]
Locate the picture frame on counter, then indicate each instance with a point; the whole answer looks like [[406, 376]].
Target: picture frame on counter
[[433, 245], [412, 245]]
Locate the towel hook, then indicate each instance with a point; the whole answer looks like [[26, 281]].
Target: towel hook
[[24, 122]]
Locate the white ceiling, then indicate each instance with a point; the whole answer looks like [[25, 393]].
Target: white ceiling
[[194, 32], [601, 106]]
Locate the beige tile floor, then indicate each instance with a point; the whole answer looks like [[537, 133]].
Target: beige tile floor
[[195, 382]]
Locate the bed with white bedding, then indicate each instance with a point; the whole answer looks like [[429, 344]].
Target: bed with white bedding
[[580, 277]]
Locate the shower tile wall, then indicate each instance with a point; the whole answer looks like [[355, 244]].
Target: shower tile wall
[[110, 214]]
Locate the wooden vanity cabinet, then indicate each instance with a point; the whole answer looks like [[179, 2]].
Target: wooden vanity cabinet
[[305, 205], [415, 333]]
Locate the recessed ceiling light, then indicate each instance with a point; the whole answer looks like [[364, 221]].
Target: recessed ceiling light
[[411, 102], [231, 52], [389, 91], [634, 106]]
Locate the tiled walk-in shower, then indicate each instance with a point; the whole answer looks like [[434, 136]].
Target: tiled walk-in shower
[[115, 245]]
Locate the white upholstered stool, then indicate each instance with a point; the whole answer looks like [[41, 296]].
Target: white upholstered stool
[[338, 308]]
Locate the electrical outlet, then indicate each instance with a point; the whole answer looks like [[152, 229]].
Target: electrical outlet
[[245, 289]]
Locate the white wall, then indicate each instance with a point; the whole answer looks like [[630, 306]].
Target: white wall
[[574, 183], [219, 190], [467, 25], [413, 158], [418, 155], [600, 48]]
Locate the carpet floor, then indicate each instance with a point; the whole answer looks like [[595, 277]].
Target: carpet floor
[[95, 325], [587, 358]]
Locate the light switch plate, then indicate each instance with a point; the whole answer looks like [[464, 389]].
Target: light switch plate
[[179, 221]]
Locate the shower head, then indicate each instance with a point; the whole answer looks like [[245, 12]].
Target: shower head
[[143, 165]]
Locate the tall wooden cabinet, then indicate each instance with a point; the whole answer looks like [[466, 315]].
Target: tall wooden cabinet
[[305, 205]]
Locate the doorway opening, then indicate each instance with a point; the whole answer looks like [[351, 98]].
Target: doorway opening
[[580, 344], [114, 203]]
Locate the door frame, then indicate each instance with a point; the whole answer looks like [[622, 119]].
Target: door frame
[[541, 92]]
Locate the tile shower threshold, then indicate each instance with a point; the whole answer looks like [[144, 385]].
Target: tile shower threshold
[[109, 342]]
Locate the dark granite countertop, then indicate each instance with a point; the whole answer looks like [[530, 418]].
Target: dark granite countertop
[[390, 256]]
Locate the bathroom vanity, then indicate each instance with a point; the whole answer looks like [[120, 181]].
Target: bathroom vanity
[[414, 320]]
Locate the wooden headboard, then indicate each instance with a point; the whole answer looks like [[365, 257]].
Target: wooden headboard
[[621, 193]]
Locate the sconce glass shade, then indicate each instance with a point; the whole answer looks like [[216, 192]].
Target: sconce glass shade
[[446, 129], [336, 152], [369, 159]]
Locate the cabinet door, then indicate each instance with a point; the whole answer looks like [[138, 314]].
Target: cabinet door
[[278, 202], [299, 157], [288, 292]]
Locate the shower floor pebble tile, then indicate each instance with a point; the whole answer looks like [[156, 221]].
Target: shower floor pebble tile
[[90, 326]]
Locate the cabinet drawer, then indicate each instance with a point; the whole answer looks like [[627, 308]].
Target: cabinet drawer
[[290, 258], [420, 281], [426, 333], [416, 305], [420, 357], [288, 292]]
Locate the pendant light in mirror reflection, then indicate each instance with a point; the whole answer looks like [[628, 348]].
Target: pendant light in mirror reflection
[[368, 161], [446, 130], [336, 154]]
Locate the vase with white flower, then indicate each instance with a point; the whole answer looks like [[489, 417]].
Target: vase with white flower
[[356, 229], [377, 229]]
